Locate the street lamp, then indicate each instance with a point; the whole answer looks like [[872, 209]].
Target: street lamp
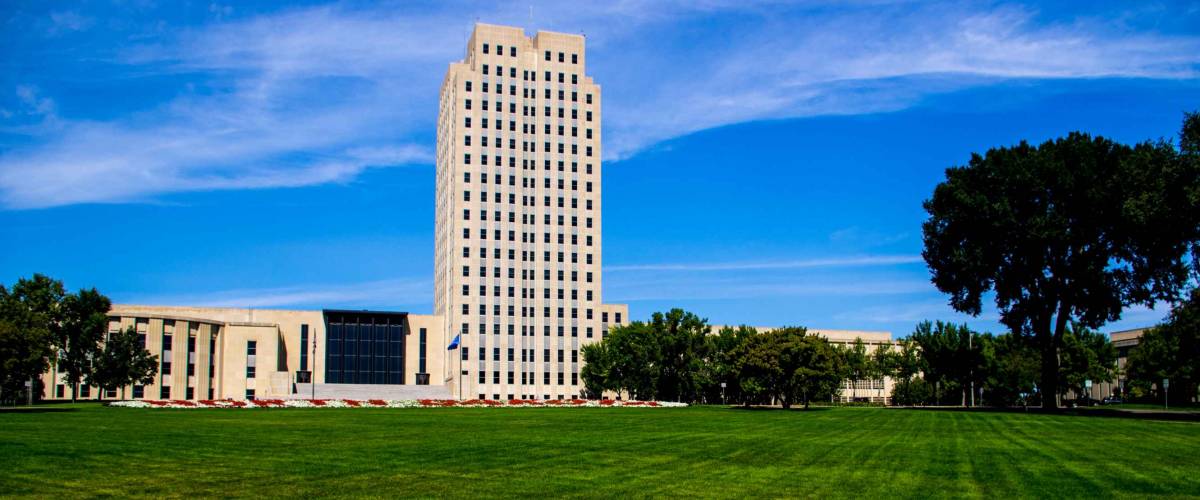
[[1166, 386], [722, 392]]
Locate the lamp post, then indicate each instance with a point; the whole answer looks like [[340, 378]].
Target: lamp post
[[722, 392], [1166, 387]]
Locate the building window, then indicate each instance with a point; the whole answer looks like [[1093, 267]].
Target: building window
[[251, 358], [139, 392], [191, 393], [303, 347], [421, 352], [249, 394], [164, 392]]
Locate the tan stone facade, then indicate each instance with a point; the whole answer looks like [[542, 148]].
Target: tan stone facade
[[518, 272], [235, 353]]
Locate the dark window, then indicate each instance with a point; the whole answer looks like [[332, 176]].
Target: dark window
[[164, 392], [364, 347], [304, 347], [249, 394], [421, 359]]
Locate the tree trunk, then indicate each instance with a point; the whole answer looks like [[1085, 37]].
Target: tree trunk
[[74, 391]]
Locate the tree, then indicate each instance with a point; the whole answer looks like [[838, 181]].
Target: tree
[[84, 321], [880, 364], [29, 317], [597, 368], [789, 365], [1074, 229], [817, 367], [721, 364], [1011, 368], [951, 355], [123, 361], [857, 362], [679, 338], [1086, 355], [1170, 351], [905, 364], [760, 374]]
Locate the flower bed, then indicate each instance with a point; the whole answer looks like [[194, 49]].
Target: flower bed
[[395, 403]]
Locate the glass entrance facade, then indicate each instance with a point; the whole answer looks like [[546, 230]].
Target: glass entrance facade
[[364, 347]]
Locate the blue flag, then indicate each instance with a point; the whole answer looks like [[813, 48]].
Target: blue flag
[[454, 343]]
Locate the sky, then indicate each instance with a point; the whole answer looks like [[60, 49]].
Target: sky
[[764, 162]]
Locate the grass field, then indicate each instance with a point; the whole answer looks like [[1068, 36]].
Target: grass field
[[592, 452]]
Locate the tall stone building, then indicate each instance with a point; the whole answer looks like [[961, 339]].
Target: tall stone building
[[518, 244]]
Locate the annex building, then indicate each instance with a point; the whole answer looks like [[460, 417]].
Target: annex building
[[517, 262]]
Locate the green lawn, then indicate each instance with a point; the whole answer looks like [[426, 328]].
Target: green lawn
[[592, 452]]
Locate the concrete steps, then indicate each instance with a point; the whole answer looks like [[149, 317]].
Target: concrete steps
[[371, 391]]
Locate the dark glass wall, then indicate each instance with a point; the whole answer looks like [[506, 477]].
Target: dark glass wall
[[363, 347]]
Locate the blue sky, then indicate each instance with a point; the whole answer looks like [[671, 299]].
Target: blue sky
[[765, 162]]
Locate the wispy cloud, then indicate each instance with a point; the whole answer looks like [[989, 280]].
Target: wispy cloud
[[294, 98], [398, 292], [868, 260], [740, 288]]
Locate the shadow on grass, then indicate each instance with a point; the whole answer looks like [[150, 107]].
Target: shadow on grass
[[35, 409], [1081, 412]]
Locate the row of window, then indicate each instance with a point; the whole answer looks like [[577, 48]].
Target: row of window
[[527, 378], [531, 219], [526, 109], [526, 255], [512, 143], [512, 52], [527, 355], [525, 237], [525, 273], [527, 331], [526, 311], [496, 397], [528, 183], [527, 164], [526, 128]]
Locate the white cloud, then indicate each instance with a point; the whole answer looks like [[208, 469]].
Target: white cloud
[[68, 21], [397, 291], [868, 260], [315, 95]]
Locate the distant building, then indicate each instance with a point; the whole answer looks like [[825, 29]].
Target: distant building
[[1124, 341]]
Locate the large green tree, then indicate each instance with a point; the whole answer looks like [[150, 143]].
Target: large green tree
[[1011, 366], [123, 361], [682, 350], [789, 365], [952, 357], [84, 322], [1076, 228], [30, 315], [721, 365], [1086, 355], [1171, 351]]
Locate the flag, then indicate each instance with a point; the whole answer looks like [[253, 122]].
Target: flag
[[454, 343]]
